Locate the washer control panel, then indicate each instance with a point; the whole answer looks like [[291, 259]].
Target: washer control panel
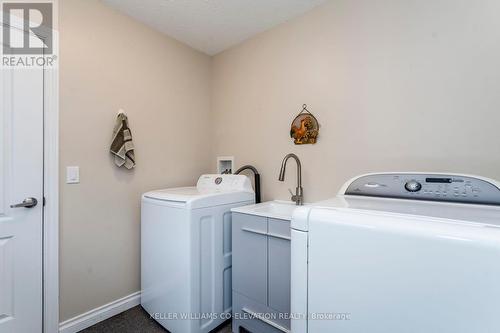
[[435, 187], [224, 183]]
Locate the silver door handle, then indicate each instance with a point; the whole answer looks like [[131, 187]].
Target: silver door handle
[[27, 203]]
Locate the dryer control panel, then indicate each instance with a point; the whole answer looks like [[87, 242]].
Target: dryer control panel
[[423, 186]]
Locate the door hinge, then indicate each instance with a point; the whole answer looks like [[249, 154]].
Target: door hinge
[[43, 201]]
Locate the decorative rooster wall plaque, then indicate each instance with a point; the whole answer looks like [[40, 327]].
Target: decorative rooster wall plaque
[[305, 128]]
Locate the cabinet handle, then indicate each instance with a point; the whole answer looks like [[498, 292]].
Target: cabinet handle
[[265, 320], [266, 234], [279, 236], [254, 231]]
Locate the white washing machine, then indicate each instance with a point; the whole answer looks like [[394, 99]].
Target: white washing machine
[[186, 252], [399, 252]]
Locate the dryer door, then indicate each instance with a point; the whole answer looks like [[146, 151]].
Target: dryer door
[[379, 273]]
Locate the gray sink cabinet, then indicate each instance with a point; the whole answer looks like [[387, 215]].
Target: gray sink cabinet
[[261, 274]]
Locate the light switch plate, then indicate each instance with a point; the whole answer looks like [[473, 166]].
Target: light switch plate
[[72, 175]]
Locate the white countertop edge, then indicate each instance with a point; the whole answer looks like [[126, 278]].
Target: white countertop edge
[[252, 210]]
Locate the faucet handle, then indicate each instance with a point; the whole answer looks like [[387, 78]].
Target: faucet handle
[[294, 195]]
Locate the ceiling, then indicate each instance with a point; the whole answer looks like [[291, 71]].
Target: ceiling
[[212, 26]]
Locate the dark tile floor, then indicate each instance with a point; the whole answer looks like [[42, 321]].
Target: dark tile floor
[[135, 320]]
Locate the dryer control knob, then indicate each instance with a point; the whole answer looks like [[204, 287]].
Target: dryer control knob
[[413, 186]]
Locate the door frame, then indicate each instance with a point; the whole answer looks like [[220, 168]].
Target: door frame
[[50, 249]]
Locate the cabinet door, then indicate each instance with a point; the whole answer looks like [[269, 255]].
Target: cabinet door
[[279, 265], [250, 256]]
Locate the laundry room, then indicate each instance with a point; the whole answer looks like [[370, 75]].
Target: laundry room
[[195, 166]]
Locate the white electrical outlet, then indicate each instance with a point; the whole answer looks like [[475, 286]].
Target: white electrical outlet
[[72, 175]]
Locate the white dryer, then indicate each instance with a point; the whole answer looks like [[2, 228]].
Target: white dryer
[[186, 252], [399, 252]]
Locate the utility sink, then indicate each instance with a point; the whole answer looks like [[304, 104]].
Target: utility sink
[[272, 209]]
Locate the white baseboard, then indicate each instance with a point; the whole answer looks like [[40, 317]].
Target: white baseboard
[[92, 317]]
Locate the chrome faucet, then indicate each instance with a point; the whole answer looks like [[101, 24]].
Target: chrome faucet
[[298, 197]]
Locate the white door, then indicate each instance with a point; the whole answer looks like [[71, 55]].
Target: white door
[[21, 178]]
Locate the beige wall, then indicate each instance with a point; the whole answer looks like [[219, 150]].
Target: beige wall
[[396, 85], [109, 61]]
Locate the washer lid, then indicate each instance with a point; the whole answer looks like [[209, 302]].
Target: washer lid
[[178, 194], [211, 190]]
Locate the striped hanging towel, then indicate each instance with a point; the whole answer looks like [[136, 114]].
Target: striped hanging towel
[[122, 146]]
